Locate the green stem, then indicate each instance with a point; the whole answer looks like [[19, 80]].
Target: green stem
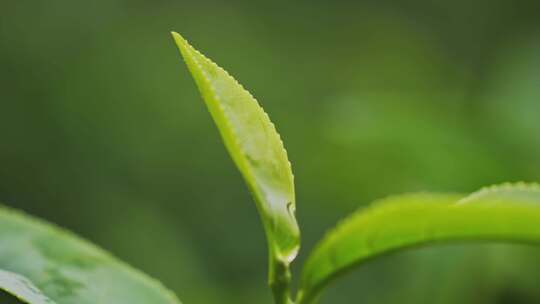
[[280, 282]]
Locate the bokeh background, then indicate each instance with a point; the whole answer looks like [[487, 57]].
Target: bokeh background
[[103, 131]]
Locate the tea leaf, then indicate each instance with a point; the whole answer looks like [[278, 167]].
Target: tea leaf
[[22, 288], [258, 152], [507, 213], [66, 269]]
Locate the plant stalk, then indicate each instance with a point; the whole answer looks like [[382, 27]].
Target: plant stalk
[[280, 282]]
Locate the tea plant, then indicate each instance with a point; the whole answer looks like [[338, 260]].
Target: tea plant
[[44, 264]]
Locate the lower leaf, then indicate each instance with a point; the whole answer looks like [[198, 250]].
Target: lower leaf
[[67, 269], [21, 288]]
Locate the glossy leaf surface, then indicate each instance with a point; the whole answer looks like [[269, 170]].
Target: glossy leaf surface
[[258, 152], [507, 213], [67, 269], [22, 288]]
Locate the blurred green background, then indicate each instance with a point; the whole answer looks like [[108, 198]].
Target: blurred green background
[[103, 131]]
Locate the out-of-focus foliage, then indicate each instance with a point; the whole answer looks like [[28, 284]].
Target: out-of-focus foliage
[[507, 213], [20, 288], [372, 98], [43, 264]]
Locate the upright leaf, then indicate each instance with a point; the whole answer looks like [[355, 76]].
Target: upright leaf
[[22, 288], [257, 149], [66, 269], [508, 213]]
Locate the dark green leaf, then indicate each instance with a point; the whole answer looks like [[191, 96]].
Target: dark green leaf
[[69, 270]]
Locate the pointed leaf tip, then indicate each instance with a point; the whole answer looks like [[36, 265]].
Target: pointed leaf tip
[[178, 38], [257, 150]]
